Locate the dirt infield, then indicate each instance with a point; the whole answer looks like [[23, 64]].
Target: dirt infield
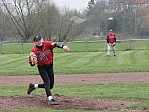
[[39, 101]]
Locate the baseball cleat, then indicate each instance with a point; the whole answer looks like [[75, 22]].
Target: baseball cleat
[[53, 102], [30, 88]]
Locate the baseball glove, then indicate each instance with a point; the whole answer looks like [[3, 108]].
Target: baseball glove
[[113, 44], [33, 58]]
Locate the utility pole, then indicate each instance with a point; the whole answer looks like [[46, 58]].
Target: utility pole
[[1, 46], [135, 11]]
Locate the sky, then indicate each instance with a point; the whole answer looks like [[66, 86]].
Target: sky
[[72, 4]]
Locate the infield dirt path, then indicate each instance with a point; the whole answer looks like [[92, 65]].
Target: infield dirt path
[[99, 78], [39, 101]]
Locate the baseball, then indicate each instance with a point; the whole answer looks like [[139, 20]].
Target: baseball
[[110, 18], [65, 48]]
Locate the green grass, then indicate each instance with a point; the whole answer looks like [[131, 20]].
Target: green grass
[[134, 92], [12, 62], [79, 47], [82, 62]]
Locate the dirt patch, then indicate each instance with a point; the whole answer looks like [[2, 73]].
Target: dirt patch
[[39, 101]]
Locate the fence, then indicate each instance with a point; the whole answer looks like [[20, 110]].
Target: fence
[[83, 46], [101, 45]]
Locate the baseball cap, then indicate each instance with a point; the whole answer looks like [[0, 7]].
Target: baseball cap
[[36, 38], [110, 30]]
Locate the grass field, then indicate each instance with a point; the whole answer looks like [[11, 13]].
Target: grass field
[[15, 63], [82, 62], [112, 91]]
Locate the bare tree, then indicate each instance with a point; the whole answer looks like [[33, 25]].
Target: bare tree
[[20, 12], [5, 27], [49, 17], [66, 26]]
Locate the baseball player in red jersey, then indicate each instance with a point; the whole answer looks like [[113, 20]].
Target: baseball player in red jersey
[[42, 55], [111, 40]]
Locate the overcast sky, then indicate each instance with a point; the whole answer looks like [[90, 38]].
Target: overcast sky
[[72, 4]]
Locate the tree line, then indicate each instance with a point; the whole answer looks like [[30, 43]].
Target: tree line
[[23, 19], [129, 16]]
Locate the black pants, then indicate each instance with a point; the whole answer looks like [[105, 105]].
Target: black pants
[[47, 75]]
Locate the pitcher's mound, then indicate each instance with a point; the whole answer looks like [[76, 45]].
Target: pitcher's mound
[[39, 101]]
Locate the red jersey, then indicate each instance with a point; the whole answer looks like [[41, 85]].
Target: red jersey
[[45, 53], [111, 37]]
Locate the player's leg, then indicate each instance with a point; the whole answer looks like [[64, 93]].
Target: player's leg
[[44, 75], [108, 50], [48, 79], [50, 72], [51, 75], [35, 86], [114, 50]]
